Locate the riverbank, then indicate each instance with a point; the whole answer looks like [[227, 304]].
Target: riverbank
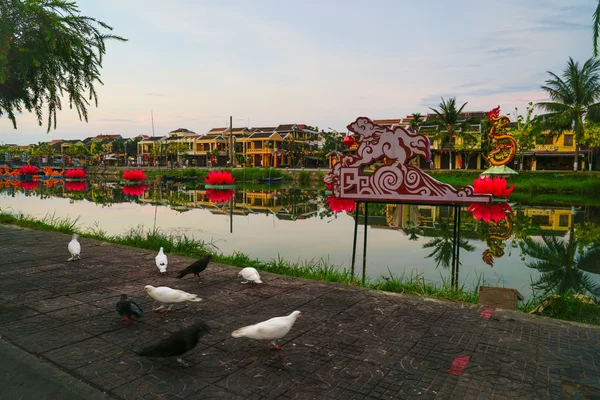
[[527, 182], [320, 270], [350, 343]]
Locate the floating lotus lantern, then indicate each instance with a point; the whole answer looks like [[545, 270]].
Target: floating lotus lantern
[[339, 205], [495, 186], [75, 174], [29, 185], [27, 172], [76, 186], [220, 196], [134, 177], [134, 190], [497, 216], [219, 180], [490, 212]]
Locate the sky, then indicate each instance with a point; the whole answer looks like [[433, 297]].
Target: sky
[[192, 64]]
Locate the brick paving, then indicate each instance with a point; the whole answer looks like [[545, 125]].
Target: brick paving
[[351, 344]]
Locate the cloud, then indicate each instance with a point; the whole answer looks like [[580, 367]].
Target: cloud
[[557, 24], [502, 89], [470, 84], [157, 94], [433, 101], [504, 51], [116, 120]]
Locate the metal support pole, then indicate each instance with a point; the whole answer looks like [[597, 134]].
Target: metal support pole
[[356, 214], [231, 206], [231, 149], [364, 271], [457, 248], [454, 245]]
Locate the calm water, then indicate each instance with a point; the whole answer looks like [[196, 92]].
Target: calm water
[[271, 221]]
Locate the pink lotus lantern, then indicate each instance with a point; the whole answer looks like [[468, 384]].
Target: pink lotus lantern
[[495, 186], [339, 205], [219, 178], [29, 185], [29, 170], [134, 190], [75, 174], [76, 186], [135, 175], [490, 212], [219, 196]]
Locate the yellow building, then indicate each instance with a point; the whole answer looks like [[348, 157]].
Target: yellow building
[[552, 152]]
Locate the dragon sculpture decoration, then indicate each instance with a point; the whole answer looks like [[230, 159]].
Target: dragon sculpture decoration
[[495, 237], [505, 146], [396, 181]]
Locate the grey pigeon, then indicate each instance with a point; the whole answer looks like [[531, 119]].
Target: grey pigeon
[[177, 344], [196, 268], [128, 308]]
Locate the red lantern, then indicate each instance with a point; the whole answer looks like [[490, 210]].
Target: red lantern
[[213, 160], [134, 175], [75, 174], [75, 186], [219, 196], [29, 185], [29, 170], [219, 178], [339, 205], [490, 212], [349, 141], [134, 190], [496, 186]]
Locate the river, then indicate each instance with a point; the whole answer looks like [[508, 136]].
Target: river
[[295, 224]]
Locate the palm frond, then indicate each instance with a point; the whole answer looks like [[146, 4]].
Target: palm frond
[[596, 27]]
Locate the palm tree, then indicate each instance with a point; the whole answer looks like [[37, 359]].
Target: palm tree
[[574, 97], [448, 122], [442, 245], [416, 122], [596, 26], [564, 267]]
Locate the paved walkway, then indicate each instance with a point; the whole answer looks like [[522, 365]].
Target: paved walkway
[[351, 343]]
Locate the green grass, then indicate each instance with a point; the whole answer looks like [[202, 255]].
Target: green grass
[[532, 182], [304, 177], [568, 308], [241, 174], [415, 283], [181, 244], [49, 223]]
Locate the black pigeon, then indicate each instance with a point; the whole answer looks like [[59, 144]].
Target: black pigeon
[[196, 268], [128, 308], [177, 344]]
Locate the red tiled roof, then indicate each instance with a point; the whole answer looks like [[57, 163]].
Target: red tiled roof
[[387, 121], [214, 130]]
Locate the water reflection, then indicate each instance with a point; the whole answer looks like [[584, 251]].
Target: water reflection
[[565, 265], [266, 221]]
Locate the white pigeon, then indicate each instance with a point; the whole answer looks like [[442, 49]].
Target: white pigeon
[[74, 248], [166, 295], [272, 329], [250, 275], [161, 261]]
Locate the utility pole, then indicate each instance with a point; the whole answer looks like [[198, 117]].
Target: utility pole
[[231, 149]]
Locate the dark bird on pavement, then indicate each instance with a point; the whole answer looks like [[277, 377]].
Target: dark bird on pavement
[[177, 344], [128, 308], [196, 268]]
